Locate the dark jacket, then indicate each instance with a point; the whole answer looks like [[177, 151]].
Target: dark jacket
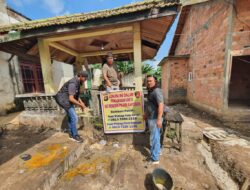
[[72, 87]]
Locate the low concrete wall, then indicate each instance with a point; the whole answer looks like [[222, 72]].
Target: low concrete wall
[[57, 121]]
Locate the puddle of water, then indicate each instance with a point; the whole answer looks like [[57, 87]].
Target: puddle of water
[[44, 158]]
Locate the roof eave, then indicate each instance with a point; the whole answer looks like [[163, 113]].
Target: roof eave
[[173, 57], [61, 20]]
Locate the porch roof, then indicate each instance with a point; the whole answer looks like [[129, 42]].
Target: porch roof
[[84, 17], [155, 18]]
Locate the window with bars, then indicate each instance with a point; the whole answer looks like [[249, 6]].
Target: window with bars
[[32, 77]]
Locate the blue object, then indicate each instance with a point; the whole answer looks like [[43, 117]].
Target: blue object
[[155, 137], [72, 121], [25, 157]]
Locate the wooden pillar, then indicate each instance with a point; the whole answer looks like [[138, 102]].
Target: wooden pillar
[[78, 64], [80, 61], [86, 64], [46, 66], [137, 56], [228, 56]]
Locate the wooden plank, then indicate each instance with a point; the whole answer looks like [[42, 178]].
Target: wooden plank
[[33, 50], [46, 66], [192, 2], [246, 185], [17, 52], [63, 48], [90, 34], [137, 56], [98, 53], [160, 26], [147, 52]]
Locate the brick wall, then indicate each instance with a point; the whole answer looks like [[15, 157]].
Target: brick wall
[[203, 37], [165, 80], [174, 74], [240, 80], [241, 35]]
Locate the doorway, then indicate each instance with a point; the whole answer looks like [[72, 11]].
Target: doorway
[[239, 89]]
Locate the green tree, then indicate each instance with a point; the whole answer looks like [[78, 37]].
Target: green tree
[[157, 73], [96, 66], [128, 67], [125, 66], [147, 69]]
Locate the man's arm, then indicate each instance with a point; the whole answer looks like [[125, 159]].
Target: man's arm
[[74, 101], [72, 90], [82, 103], [160, 102], [107, 80], [119, 78], [160, 113], [118, 75]]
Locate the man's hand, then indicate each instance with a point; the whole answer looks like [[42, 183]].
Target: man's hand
[[160, 113], [82, 105], [120, 85], [109, 83], [159, 123]]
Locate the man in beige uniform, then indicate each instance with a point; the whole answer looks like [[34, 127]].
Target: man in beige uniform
[[110, 74]]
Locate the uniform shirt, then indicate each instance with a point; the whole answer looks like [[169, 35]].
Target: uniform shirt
[[111, 73], [72, 87], [155, 97]]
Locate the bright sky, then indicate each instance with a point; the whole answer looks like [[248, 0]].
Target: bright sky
[[38, 9]]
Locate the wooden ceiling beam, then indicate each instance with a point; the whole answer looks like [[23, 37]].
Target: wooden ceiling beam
[[33, 50], [12, 49], [99, 53], [89, 34], [63, 48]]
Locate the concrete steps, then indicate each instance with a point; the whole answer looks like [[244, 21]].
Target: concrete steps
[[50, 159]]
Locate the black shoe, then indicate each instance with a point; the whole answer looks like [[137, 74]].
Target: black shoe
[[77, 138], [71, 137]]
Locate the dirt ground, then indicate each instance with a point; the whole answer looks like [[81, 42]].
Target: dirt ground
[[120, 163], [125, 168], [15, 140], [200, 118]]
